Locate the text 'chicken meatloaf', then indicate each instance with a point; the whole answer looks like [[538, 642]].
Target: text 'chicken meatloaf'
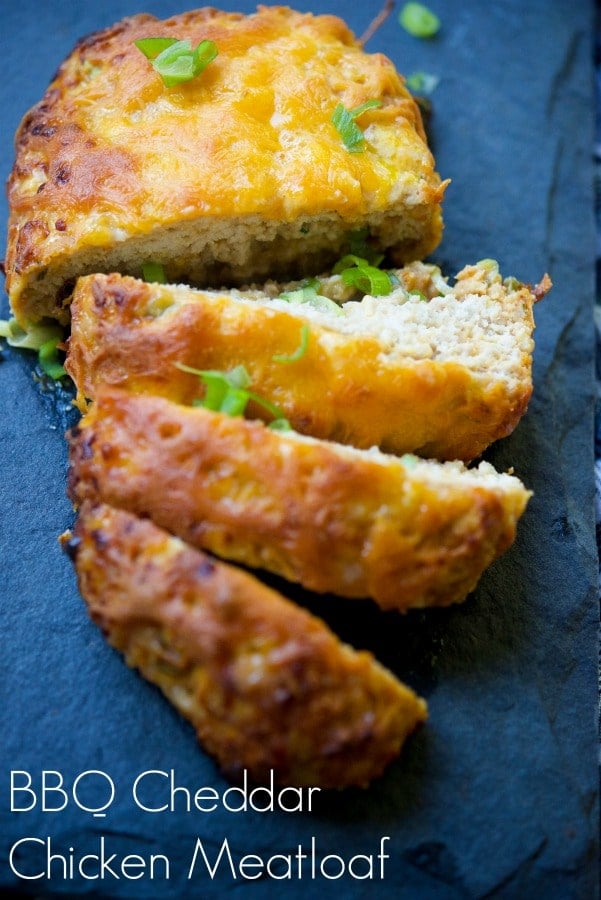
[[236, 174], [432, 368], [357, 523], [266, 685]]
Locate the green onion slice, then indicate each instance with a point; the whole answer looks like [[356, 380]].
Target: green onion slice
[[227, 392], [151, 47], [359, 273], [175, 61], [304, 294], [369, 104], [422, 82], [299, 352], [43, 338], [368, 279], [418, 20], [154, 272], [32, 338], [351, 259], [343, 120], [309, 293], [49, 360]]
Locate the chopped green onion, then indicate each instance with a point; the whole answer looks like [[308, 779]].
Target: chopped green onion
[[368, 279], [343, 120], [153, 272], [418, 20], [369, 104], [43, 338], [349, 131], [299, 352], [49, 360], [308, 293], [175, 61], [227, 392], [235, 401], [351, 259], [357, 272], [304, 294], [151, 47], [32, 338], [419, 294], [422, 82], [325, 304], [204, 54]]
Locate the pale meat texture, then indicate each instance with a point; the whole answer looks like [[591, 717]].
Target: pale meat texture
[[265, 684], [406, 532], [436, 369], [236, 174]]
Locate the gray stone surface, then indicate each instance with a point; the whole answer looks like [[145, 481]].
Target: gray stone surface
[[497, 796]]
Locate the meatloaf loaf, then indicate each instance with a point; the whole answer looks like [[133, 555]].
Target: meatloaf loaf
[[238, 173]]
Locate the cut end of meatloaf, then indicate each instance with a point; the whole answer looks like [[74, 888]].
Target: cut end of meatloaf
[[235, 175], [267, 686], [406, 532], [433, 368]]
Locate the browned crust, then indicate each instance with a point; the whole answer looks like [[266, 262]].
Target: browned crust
[[266, 685], [345, 388], [332, 520]]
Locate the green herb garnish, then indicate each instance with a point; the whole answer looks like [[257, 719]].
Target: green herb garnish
[[308, 292], [153, 272], [48, 359], [30, 339], [299, 352], [418, 20], [43, 338], [227, 392], [343, 120], [175, 61], [153, 47], [357, 272], [422, 82]]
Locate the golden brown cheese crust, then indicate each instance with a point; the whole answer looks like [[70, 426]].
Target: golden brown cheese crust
[[266, 685], [337, 520], [114, 169], [347, 387]]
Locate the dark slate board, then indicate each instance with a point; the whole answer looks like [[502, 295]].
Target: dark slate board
[[497, 796]]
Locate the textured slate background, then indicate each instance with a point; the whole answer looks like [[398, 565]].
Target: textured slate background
[[497, 797]]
